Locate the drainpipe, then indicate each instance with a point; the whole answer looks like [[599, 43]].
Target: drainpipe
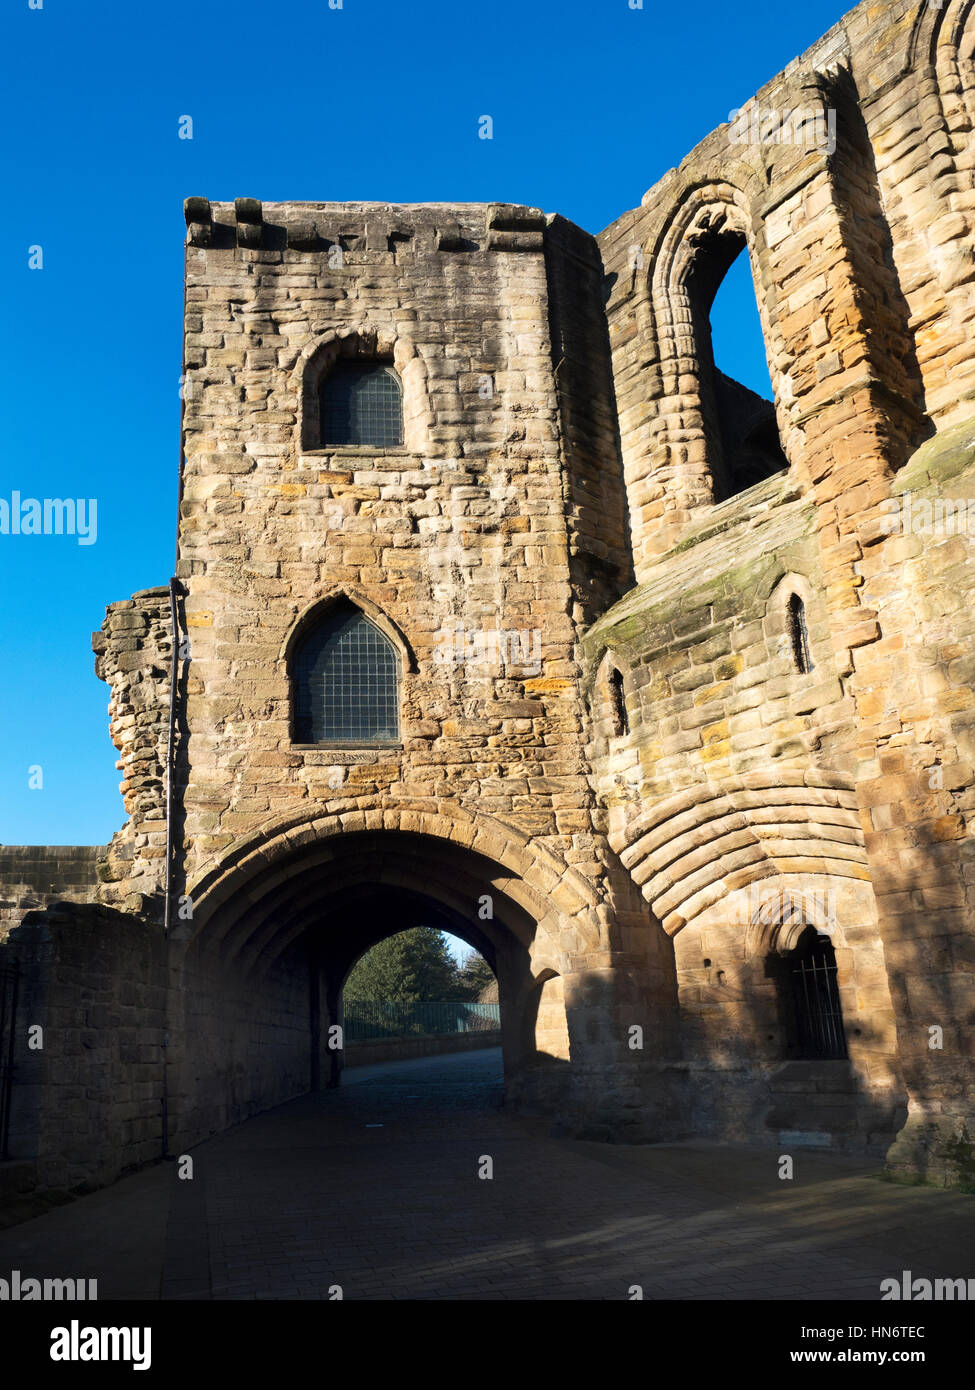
[[174, 590], [170, 854], [170, 747]]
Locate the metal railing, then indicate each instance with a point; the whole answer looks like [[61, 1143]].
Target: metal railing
[[367, 1020]]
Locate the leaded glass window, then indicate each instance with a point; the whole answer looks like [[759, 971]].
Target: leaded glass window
[[361, 403], [346, 682]]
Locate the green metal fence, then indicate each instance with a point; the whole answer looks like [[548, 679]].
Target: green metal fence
[[367, 1020]]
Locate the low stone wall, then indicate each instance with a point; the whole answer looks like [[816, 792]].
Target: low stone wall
[[35, 876], [360, 1054], [86, 1105]]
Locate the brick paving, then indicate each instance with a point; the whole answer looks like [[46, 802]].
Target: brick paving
[[375, 1189]]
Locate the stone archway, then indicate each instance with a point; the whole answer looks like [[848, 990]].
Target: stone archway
[[256, 973]]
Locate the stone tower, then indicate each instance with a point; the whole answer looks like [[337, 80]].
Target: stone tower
[[481, 546]]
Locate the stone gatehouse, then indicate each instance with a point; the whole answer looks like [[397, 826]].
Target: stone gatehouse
[[499, 608]]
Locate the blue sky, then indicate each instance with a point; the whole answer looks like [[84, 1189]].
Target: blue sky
[[591, 103]]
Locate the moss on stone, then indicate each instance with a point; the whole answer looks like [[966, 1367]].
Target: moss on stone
[[947, 455]]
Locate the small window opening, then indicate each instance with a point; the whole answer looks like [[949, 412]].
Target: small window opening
[[799, 632], [621, 721]]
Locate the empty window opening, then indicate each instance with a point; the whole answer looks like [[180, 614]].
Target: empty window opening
[[813, 999], [739, 417], [346, 682], [361, 403], [621, 721], [799, 632]]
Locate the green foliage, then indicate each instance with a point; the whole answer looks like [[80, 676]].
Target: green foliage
[[474, 977], [416, 967], [412, 967]]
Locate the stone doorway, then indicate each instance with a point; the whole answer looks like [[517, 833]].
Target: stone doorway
[[256, 976]]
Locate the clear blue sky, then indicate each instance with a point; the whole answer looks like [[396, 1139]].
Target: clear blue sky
[[591, 102]]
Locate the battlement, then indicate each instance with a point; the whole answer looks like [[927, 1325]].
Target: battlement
[[371, 227]]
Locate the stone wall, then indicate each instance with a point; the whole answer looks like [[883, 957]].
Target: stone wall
[[240, 1040], [87, 1103], [133, 655], [730, 798], [860, 248], [465, 524], [32, 876]]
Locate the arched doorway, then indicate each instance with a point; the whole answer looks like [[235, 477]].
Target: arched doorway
[[811, 999], [257, 974]]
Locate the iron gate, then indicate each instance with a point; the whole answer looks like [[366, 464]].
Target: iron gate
[[9, 980], [817, 1003]]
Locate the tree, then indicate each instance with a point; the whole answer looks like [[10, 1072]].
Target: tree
[[474, 977], [411, 967]]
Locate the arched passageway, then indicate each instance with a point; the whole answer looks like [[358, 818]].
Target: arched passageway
[[257, 973]]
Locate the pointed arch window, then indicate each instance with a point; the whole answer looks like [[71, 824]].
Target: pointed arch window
[[345, 677], [361, 403], [739, 421]]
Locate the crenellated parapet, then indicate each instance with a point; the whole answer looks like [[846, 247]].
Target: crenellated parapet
[[320, 227]]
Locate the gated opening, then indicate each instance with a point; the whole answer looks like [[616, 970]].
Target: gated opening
[[813, 999]]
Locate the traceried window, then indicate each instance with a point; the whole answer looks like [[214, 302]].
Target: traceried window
[[361, 403], [346, 682]]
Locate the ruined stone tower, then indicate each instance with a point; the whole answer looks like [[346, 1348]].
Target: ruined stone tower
[[662, 695]]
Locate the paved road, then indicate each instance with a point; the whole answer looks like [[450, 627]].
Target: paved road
[[375, 1188]]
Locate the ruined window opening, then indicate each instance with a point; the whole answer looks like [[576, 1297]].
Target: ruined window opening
[[812, 999], [799, 632], [361, 403], [621, 720], [346, 682], [740, 424]]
